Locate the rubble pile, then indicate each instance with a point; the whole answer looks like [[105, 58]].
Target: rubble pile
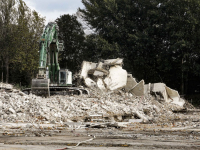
[[15, 106], [108, 75]]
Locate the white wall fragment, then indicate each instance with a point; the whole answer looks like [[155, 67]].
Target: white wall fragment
[[100, 84], [90, 83], [116, 79], [160, 87], [169, 95], [131, 82], [174, 96], [98, 73], [86, 66], [138, 89], [112, 62], [147, 89]]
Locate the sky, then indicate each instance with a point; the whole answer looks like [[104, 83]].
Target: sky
[[53, 9]]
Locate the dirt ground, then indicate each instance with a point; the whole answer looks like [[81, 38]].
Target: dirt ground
[[109, 139]]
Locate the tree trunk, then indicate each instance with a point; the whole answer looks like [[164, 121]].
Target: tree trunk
[[7, 70], [182, 78]]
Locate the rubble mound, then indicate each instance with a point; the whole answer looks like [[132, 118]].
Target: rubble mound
[[15, 106]]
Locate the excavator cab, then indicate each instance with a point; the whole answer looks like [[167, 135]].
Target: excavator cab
[[65, 77]]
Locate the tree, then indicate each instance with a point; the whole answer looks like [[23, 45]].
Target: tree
[[21, 32], [72, 34], [98, 48], [158, 39], [29, 30], [7, 18]]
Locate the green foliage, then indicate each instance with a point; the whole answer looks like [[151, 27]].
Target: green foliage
[[98, 48], [19, 52], [71, 32]]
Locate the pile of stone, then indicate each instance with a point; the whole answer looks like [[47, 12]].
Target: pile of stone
[[6, 86], [15, 106], [108, 75]]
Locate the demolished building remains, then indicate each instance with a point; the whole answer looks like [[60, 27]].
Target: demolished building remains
[[109, 75], [115, 96]]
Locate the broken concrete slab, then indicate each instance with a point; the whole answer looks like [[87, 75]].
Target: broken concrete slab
[[6, 86], [138, 89], [98, 73], [86, 66], [90, 83], [112, 62], [131, 82], [100, 84], [174, 96], [158, 90], [116, 79], [100, 65], [158, 87], [161, 92], [147, 89]]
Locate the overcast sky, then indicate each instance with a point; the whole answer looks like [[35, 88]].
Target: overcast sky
[[53, 9]]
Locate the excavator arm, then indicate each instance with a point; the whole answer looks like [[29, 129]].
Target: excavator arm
[[48, 62]]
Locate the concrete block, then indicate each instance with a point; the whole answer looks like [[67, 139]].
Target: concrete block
[[86, 66], [112, 62], [159, 91], [6, 86], [167, 94], [12, 110], [98, 73], [147, 89], [131, 82], [158, 87], [100, 65], [174, 96], [116, 79], [90, 83], [100, 84], [138, 89]]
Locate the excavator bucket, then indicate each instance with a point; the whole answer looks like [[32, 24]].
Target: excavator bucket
[[40, 87]]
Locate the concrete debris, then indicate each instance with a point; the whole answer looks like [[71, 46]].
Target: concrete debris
[[100, 84], [6, 86], [90, 83], [112, 62], [131, 82], [138, 89], [17, 107], [161, 92], [116, 79], [86, 66], [174, 96], [108, 75]]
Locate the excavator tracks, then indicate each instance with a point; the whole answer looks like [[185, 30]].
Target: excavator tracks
[[57, 91]]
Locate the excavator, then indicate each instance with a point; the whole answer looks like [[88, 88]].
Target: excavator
[[50, 79]]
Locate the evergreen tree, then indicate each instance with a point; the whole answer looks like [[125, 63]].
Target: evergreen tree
[[72, 34]]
